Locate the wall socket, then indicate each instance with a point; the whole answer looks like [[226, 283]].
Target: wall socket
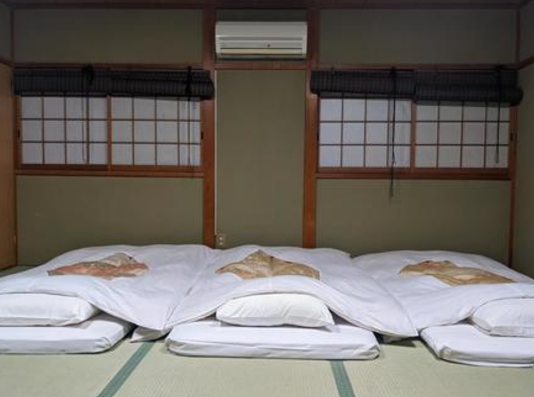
[[220, 240]]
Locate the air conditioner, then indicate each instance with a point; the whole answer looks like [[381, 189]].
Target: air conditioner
[[256, 40]]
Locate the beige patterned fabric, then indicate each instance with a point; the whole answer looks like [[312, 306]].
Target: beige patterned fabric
[[453, 275], [259, 264], [117, 265]]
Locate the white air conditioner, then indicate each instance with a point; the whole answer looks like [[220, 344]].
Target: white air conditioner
[[277, 40]]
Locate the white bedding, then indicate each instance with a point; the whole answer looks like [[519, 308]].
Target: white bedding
[[92, 336], [146, 300], [430, 302], [463, 343], [345, 289], [211, 338]]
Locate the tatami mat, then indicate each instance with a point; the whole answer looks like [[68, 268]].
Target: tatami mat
[[163, 374], [409, 369], [83, 375]]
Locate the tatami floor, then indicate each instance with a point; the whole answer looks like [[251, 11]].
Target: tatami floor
[[405, 369]]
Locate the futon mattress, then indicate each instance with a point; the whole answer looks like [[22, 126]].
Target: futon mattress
[[215, 339], [464, 343], [92, 336]]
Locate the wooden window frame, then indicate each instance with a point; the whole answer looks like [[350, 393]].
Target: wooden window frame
[[108, 169], [414, 172]]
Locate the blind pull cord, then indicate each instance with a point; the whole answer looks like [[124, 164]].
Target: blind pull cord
[[88, 76], [498, 146], [393, 131], [189, 82]]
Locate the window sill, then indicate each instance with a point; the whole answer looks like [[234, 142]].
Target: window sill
[[420, 174]]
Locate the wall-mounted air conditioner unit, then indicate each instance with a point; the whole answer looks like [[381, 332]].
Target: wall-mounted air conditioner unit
[[256, 40]]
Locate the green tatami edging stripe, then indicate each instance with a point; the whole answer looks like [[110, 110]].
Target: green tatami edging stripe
[[124, 373], [344, 387]]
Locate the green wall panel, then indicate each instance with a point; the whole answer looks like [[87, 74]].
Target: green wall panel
[[467, 216], [5, 32], [417, 36], [108, 36], [524, 237], [56, 214], [260, 138]]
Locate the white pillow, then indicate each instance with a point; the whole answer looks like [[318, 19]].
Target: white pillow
[[276, 309], [26, 310], [507, 317]]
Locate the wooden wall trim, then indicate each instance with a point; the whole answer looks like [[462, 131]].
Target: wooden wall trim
[[6, 62], [261, 65], [430, 175], [256, 4], [112, 66], [309, 224], [514, 127], [526, 63], [110, 173], [208, 132], [8, 191], [414, 66]]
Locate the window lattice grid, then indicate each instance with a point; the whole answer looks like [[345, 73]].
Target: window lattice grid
[[63, 131], [462, 137], [155, 132], [358, 133]]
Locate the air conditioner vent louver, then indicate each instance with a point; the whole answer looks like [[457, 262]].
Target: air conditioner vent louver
[[261, 40]]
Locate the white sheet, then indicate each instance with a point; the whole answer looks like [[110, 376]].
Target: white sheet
[[346, 290], [211, 338], [463, 343], [430, 302], [146, 300], [92, 336]]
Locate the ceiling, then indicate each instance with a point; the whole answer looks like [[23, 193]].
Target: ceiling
[[273, 3]]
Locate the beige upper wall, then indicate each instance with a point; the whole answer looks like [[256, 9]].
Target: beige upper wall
[[418, 36], [108, 36], [466, 216], [524, 240], [527, 31], [260, 147], [57, 214], [5, 32]]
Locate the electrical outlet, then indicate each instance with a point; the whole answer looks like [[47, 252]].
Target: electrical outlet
[[220, 240]]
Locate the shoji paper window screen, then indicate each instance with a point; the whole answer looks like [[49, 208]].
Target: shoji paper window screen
[[358, 133], [155, 132], [63, 131], [462, 136], [132, 132], [356, 136]]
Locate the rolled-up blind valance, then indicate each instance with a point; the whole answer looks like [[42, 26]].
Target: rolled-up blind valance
[[88, 81], [196, 83], [476, 86], [60, 81], [363, 83]]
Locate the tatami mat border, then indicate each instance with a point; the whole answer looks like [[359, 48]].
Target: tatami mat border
[[344, 387], [124, 373]]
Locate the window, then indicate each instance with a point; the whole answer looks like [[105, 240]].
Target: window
[[63, 130], [357, 136], [357, 133], [467, 137], [154, 132], [113, 133]]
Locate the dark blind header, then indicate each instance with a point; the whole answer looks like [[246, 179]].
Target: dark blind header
[[482, 86], [498, 86], [363, 83], [88, 81]]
